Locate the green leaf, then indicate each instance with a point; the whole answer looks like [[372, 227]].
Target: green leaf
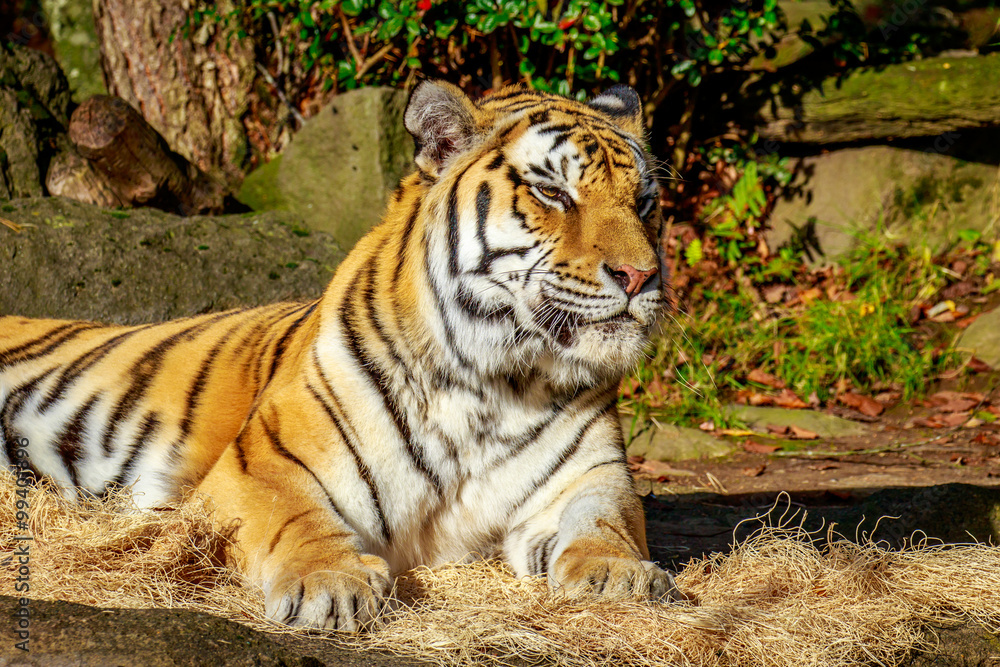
[[693, 253], [391, 28], [591, 23]]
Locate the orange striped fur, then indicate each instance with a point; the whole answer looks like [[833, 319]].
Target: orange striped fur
[[451, 395]]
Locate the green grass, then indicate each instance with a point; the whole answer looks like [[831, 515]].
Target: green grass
[[703, 355]]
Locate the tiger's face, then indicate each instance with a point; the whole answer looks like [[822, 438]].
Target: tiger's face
[[553, 232]]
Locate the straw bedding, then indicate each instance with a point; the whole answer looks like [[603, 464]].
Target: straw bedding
[[777, 599]]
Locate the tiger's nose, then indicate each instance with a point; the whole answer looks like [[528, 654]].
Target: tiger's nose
[[632, 279]]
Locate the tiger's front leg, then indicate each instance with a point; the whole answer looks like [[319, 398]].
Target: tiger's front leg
[[291, 539], [591, 539]]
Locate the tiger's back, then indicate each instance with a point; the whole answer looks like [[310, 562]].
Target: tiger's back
[[452, 393], [151, 406]]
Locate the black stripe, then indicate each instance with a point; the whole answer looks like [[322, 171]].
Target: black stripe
[[348, 316], [453, 228], [143, 372], [364, 472], [150, 425], [82, 363], [404, 244], [241, 454], [540, 552], [13, 404], [496, 162], [279, 349], [269, 332], [272, 435], [69, 443], [201, 381], [21, 353], [556, 129], [277, 535], [564, 456], [449, 333]]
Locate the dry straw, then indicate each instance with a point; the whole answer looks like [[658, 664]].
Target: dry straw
[[777, 599]]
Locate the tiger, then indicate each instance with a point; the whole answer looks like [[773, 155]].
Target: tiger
[[450, 396]]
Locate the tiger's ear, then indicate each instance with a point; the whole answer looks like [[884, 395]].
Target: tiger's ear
[[624, 106], [442, 121]]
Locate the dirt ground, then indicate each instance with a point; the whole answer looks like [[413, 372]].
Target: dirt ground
[[893, 454]]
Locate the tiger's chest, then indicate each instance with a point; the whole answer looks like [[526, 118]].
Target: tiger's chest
[[492, 448]]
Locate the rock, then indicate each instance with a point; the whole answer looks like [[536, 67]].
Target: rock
[[341, 167], [74, 37], [826, 426], [76, 261], [63, 633], [34, 107], [667, 442], [854, 193], [982, 338], [879, 103]]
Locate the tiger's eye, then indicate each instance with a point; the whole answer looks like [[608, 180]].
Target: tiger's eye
[[549, 191]]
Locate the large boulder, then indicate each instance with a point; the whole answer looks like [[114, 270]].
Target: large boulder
[[982, 338], [849, 194], [76, 261], [341, 167], [34, 108], [915, 99]]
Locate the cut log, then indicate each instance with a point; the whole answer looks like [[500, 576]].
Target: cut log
[[922, 98], [136, 162]]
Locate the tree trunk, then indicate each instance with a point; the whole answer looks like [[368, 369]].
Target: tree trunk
[[922, 98], [189, 81]]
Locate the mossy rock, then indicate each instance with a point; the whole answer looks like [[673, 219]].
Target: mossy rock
[[340, 169], [877, 193], [75, 261], [34, 108]]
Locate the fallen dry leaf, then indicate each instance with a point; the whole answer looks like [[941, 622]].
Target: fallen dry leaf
[[760, 399], [777, 429], [802, 433], [736, 432], [755, 471], [940, 398], [977, 365], [651, 469], [787, 398], [824, 466], [944, 420], [629, 388], [810, 295], [765, 378], [956, 405], [755, 447], [888, 397], [863, 404]]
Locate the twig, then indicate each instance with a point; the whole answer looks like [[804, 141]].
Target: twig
[[888, 449], [281, 94], [10, 223], [352, 47], [368, 64]]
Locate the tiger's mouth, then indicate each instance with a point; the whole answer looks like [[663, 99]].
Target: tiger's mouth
[[563, 326]]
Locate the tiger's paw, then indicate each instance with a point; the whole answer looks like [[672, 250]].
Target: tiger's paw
[[347, 598], [612, 576]]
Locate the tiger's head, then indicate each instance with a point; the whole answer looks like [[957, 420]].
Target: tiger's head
[[545, 250]]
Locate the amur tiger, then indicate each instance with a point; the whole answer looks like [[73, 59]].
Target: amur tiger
[[451, 394]]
